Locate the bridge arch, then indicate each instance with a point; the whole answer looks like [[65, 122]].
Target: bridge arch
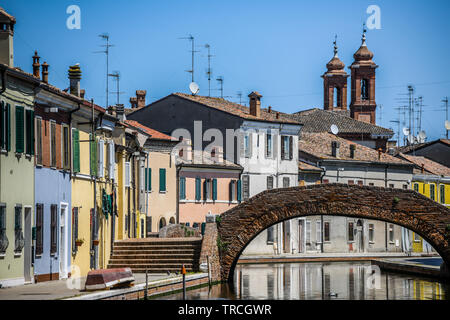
[[238, 226]]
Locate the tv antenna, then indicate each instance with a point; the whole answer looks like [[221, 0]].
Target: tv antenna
[[116, 76], [334, 129], [445, 100], [191, 39], [105, 36], [239, 94], [398, 130], [220, 79], [209, 71]]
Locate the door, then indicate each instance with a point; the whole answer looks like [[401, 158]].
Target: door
[[287, 236], [27, 247], [63, 242], [301, 235]]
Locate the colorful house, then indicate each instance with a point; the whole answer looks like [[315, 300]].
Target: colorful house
[[431, 179], [16, 163], [53, 108]]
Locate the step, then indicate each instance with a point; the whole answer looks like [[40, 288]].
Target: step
[[164, 271], [157, 242], [154, 256], [151, 261], [164, 266], [156, 252], [141, 247]]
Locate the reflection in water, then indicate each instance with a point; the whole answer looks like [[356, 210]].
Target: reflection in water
[[320, 281]]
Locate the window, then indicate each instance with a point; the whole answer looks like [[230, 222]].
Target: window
[[432, 192], [74, 229], [39, 228], [270, 235], [20, 129], [416, 187], [76, 150], [371, 184], [286, 182], [127, 174], [416, 237], [233, 190], [162, 180], [53, 228], [148, 179], [351, 182], [29, 128], [442, 193], [142, 228], [391, 233], [268, 145], [318, 232], [239, 190], [405, 187], [308, 231], [5, 126], [52, 144], [360, 183], [101, 164], [269, 182], [248, 145], [391, 185], [350, 233], [286, 148], [198, 189], [19, 240], [39, 141], [364, 89], [3, 238], [246, 187], [182, 188], [325, 181], [371, 232], [207, 189], [326, 231], [111, 160]]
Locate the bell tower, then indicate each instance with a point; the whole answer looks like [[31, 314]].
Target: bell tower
[[7, 23], [363, 105], [335, 84]]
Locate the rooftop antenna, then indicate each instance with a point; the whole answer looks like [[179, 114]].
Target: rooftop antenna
[[191, 39], [239, 94], [421, 137], [209, 71], [220, 79], [194, 88], [105, 36], [446, 116], [398, 130], [116, 76]]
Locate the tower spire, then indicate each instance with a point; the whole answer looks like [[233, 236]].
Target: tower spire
[[363, 39], [335, 46]]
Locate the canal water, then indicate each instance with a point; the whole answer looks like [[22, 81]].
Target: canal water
[[320, 281]]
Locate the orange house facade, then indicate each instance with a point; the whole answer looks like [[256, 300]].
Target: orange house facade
[[207, 189]]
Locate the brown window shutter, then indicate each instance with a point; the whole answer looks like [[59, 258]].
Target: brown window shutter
[[39, 231], [282, 147], [290, 148], [54, 229]]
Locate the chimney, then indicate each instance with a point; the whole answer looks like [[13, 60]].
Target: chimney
[[120, 112], [140, 95], [269, 109], [75, 77], [133, 101], [7, 23], [82, 93], [335, 148], [45, 72], [36, 65], [352, 151], [277, 115], [255, 104], [379, 153], [422, 169]]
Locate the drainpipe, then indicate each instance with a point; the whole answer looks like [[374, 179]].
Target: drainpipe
[[385, 224], [177, 214]]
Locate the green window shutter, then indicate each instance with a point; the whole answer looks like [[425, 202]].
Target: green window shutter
[[162, 179], [93, 154], [239, 190], [149, 179], [32, 132], [76, 150], [214, 195], [2, 126], [182, 188], [8, 125], [198, 185], [19, 129], [29, 132], [146, 179]]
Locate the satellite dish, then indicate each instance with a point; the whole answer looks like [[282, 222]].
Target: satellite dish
[[447, 124], [194, 88], [334, 129], [406, 131], [411, 139], [421, 137]]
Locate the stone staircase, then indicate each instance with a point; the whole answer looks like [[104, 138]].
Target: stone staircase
[[157, 255]]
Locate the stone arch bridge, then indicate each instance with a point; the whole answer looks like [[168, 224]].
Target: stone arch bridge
[[225, 240]]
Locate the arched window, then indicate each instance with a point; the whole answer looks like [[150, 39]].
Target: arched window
[[162, 223], [364, 89], [172, 220]]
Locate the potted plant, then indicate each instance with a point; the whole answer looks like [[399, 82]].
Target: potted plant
[[95, 242], [79, 242]]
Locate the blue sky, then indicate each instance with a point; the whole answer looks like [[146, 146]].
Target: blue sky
[[278, 48]]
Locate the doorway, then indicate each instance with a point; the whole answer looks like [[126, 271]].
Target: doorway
[[287, 236], [63, 273], [27, 248], [301, 236]]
